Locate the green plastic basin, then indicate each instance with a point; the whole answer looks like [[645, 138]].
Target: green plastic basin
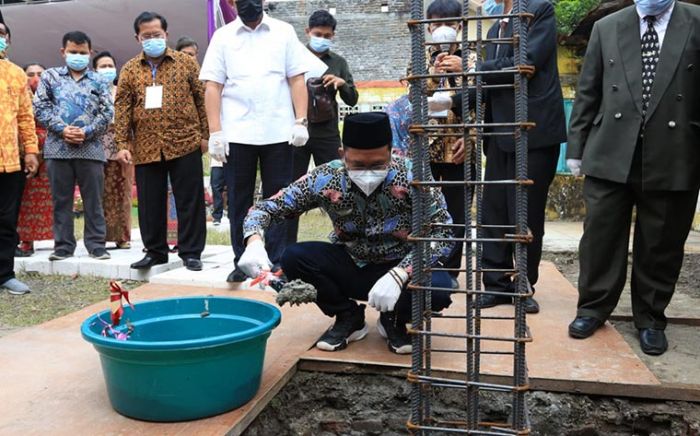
[[187, 358]]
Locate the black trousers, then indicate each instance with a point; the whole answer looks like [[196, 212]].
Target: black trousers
[[662, 224], [275, 163], [12, 188], [499, 209], [323, 150], [188, 189], [456, 203], [218, 185], [339, 281]]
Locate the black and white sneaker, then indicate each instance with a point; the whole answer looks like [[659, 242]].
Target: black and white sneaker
[[349, 327], [397, 338]]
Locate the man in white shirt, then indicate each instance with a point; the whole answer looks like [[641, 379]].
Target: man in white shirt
[[256, 103]]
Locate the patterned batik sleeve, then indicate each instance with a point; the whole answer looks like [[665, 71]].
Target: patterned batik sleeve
[[290, 202], [25, 123], [438, 215], [123, 110], [105, 112], [45, 108]]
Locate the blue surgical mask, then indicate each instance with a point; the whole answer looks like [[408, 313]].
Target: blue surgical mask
[[653, 7], [108, 73], [490, 7], [320, 45], [77, 62], [154, 48], [3, 44]]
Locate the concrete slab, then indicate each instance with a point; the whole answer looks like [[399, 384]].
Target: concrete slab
[[57, 386], [118, 267]]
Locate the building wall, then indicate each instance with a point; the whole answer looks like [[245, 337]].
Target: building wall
[[375, 43]]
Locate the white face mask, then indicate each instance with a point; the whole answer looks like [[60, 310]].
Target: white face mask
[[445, 34], [368, 180]]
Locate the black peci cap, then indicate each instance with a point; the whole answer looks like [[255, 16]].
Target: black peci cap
[[367, 131]]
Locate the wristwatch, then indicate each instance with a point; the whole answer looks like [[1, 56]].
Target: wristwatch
[[303, 121]]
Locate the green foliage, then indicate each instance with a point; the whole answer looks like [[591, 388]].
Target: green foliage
[[571, 12]]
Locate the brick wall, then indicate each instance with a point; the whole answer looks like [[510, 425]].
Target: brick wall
[[376, 44]]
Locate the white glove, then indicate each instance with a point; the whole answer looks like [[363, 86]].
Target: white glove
[[218, 147], [440, 101], [574, 166], [254, 259], [300, 135], [385, 293]]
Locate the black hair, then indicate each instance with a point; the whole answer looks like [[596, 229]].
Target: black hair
[[322, 18], [184, 42], [76, 37], [7, 30], [31, 64], [100, 55], [147, 17], [444, 9]]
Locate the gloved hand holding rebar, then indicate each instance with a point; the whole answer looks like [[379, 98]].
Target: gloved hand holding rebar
[[439, 102], [386, 292]]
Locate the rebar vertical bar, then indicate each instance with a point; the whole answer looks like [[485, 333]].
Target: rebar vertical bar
[[418, 116]]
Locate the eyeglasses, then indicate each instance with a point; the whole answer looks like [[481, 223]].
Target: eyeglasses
[[152, 36]]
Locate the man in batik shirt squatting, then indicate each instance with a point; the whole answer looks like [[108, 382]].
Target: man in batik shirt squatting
[[367, 196]]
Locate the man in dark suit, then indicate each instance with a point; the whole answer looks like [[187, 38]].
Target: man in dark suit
[[546, 110], [635, 134]]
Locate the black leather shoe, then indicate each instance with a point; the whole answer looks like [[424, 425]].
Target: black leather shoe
[[531, 305], [653, 341], [494, 300], [193, 264], [147, 262], [236, 276], [584, 326]]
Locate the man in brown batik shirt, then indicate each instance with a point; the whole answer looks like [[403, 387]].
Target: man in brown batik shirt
[[160, 102]]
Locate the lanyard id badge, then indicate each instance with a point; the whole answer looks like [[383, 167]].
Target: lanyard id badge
[[154, 93], [154, 97]]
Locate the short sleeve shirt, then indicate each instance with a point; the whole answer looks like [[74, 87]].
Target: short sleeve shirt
[[254, 65]]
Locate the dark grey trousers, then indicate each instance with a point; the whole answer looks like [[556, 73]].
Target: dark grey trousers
[[63, 176]]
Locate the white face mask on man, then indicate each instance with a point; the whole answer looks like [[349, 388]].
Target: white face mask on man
[[368, 180]]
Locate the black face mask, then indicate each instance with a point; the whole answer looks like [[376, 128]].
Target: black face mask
[[249, 10]]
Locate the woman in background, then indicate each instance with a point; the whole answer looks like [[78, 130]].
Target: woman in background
[[36, 211], [118, 176]]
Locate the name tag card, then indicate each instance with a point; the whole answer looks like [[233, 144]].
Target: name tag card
[[154, 97]]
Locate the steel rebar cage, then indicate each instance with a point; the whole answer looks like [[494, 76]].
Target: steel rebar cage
[[425, 325]]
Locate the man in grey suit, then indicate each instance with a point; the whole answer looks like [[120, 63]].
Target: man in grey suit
[[635, 135]]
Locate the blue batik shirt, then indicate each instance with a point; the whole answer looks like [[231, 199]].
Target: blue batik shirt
[[62, 101], [374, 228]]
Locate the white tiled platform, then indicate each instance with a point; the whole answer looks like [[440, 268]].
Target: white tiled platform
[[118, 267]]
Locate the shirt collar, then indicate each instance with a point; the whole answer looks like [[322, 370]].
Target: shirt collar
[[168, 54], [240, 27], [662, 19], [64, 71]]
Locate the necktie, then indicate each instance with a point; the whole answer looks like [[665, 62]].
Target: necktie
[[650, 59]]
